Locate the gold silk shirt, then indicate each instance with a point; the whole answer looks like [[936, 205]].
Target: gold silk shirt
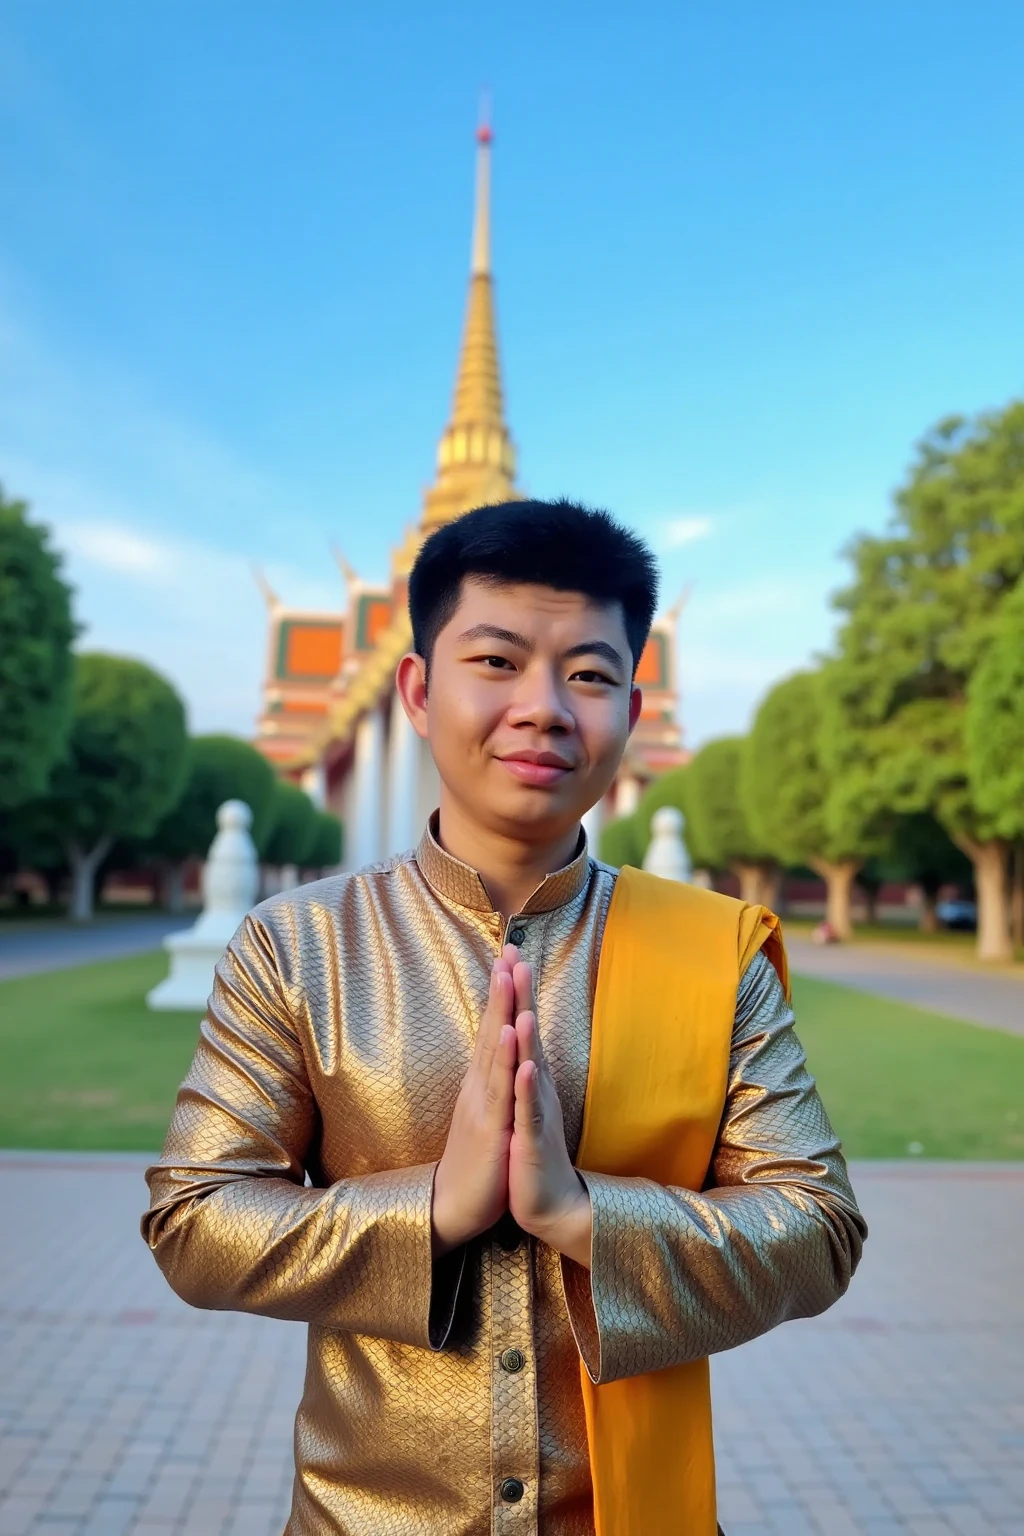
[[341, 1025]]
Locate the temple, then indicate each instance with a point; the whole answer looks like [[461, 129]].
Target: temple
[[330, 717]]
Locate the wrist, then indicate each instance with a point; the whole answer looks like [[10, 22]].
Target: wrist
[[444, 1227], [568, 1229]]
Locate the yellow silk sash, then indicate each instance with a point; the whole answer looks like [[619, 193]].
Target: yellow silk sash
[[671, 959]]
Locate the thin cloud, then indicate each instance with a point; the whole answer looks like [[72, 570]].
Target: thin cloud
[[686, 530], [114, 548]]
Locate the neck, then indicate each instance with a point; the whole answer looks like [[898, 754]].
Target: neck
[[510, 869]]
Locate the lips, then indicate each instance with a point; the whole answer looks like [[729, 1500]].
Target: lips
[[537, 768]]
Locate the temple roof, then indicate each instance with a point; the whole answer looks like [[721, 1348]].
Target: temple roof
[[325, 671], [476, 461]]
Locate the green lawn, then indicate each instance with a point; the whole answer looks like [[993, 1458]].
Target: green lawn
[[87, 1066], [85, 1063], [892, 1075]]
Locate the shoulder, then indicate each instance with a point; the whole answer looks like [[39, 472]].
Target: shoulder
[[761, 1005], [673, 899], [322, 907]]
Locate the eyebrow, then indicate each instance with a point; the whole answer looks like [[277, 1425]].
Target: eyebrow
[[521, 642]]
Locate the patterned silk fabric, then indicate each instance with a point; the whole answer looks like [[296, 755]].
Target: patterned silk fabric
[[341, 1025]]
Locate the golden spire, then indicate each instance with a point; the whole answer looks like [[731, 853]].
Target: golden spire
[[476, 461]]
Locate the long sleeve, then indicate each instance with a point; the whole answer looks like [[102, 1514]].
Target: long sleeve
[[775, 1234], [231, 1222]]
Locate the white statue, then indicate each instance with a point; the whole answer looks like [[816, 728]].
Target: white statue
[[230, 885], [666, 853]]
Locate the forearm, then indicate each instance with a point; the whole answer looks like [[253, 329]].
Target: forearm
[[354, 1256], [677, 1275]]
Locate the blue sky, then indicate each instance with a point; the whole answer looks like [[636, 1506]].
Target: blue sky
[[745, 256]]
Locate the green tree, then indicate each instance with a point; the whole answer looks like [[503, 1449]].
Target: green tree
[[327, 842], [719, 832], [219, 768], [923, 853], [920, 616], [124, 765], [622, 842], [32, 835], [36, 632], [294, 826], [785, 787], [994, 727]]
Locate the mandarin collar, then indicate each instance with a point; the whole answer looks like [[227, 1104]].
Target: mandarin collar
[[461, 884]]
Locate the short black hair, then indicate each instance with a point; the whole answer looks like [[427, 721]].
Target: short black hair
[[558, 544]]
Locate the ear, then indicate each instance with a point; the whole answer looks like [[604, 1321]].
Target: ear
[[411, 682], [636, 700]]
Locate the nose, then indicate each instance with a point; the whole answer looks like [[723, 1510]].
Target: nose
[[540, 701]]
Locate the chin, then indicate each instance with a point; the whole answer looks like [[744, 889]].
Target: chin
[[537, 812]]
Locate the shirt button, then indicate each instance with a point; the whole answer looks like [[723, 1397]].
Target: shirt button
[[511, 1490], [512, 1360], [516, 935]]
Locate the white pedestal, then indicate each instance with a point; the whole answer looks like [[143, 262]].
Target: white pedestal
[[230, 883]]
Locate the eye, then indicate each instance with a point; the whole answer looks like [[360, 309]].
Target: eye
[[496, 663], [590, 675]]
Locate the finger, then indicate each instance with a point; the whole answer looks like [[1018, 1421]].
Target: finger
[[500, 1090], [529, 1119], [497, 1013], [528, 1039], [510, 955], [522, 980]]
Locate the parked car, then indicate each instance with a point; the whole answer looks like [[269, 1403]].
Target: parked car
[[958, 914]]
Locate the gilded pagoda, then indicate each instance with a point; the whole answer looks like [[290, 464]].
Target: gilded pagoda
[[331, 718]]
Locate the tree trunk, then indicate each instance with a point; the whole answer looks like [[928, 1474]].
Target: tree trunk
[[929, 922], [83, 875], [1017, 898], [749, 876], [838, 880], [990, 885], [771, 887]]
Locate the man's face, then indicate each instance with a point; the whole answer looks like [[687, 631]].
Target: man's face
[[529, 706]]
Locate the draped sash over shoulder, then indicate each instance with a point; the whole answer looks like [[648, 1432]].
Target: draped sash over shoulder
[[671, 960]]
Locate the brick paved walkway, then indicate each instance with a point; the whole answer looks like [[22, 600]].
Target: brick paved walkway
[[124, 1413]]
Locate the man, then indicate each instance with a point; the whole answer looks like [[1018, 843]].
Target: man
[[439, 1039]]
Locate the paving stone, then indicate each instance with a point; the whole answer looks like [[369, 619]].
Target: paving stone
[[897, 1413]]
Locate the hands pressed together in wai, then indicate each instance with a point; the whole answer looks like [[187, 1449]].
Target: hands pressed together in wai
[[506, 1146]]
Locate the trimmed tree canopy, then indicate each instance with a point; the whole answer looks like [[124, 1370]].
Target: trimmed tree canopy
[[293, 834], [719, 829], [326, 845], [994, 724], [784, 783], [622, 842], [920, 616], [125, 763], [219, 768], [36, 632], [127, 753]]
